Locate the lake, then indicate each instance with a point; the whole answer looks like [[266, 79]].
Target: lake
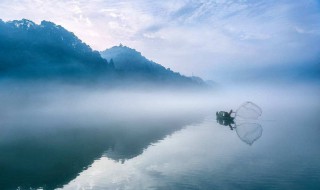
[[91, 139]]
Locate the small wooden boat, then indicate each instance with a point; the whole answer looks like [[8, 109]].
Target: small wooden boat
[[222, 115], [224, 118]]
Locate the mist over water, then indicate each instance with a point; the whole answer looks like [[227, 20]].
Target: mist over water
[[69, 137], [197, 95]]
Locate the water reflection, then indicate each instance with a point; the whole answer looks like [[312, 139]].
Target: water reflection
[[248, 132], [226, 121], [50, 155]]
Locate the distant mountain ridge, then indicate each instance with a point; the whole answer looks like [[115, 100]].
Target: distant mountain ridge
[[129, 59], [49, 51], [132, 63], [45, 50]]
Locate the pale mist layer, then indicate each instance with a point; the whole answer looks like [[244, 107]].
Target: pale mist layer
[[95, 104], [73, 122]]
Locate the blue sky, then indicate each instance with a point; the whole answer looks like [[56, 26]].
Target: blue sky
[[214, 39]]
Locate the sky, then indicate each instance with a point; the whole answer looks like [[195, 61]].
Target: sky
[[214, 39]]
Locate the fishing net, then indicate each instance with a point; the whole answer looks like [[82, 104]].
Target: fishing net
[[248, 110], [249, 132]]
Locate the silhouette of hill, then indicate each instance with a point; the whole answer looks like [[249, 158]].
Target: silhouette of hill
[[131, 63], [47, 51]]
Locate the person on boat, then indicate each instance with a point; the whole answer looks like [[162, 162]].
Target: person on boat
[[224, 118], [226, 122], [224, 114]]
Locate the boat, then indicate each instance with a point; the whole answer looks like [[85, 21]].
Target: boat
[[224, 118], [222, 115]]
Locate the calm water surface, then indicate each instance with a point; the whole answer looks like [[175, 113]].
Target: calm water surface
[[184, 149]]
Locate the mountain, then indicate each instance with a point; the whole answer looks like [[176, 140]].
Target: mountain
[[130, 63], [47, 50]]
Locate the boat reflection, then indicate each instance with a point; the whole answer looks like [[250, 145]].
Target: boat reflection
[[248, 132]]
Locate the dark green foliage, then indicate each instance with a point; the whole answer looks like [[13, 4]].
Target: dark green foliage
[[45, 50], [112, 64]]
